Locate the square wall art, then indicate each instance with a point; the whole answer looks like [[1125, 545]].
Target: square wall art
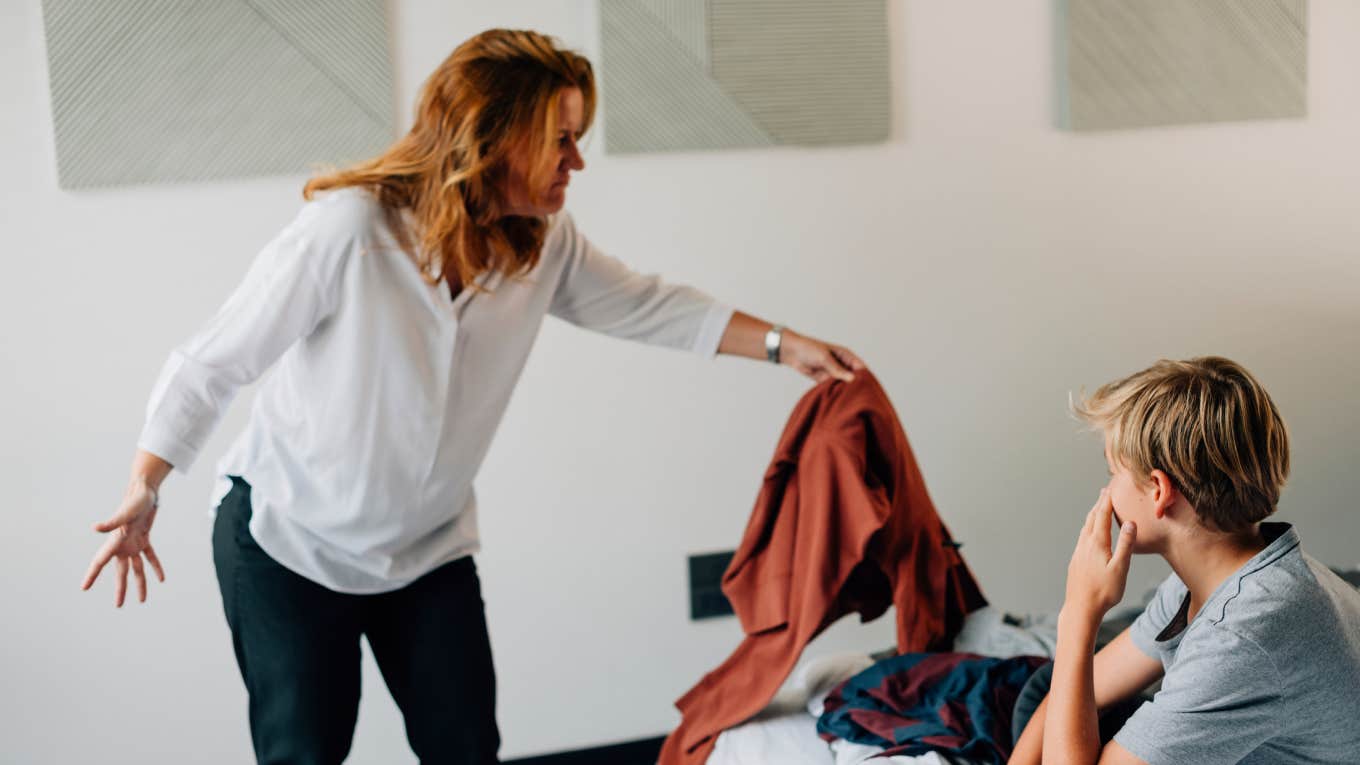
[[147, 91], [1139, 63], [715, 74]]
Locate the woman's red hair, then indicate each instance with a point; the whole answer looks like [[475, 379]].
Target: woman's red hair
[[495, 96]]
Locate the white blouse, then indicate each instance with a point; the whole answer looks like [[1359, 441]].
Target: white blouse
[[385, 392]]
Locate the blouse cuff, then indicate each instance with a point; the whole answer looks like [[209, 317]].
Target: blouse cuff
[[712, 329], [168, 447]]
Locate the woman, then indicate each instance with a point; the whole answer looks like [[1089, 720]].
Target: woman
[[397, 311]]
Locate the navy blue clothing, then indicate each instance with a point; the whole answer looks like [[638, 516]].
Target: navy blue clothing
[[953, 703]]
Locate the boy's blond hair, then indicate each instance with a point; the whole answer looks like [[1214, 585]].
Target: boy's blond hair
[[1206, 423]]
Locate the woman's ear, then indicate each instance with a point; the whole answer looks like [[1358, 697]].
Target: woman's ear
[[1163, 492]]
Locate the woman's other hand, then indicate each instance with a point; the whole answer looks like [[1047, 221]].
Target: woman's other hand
[[129, 531], [817, 359]]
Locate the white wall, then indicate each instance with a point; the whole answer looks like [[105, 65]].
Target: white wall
[[983, 262]]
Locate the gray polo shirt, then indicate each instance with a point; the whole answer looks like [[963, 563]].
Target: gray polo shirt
[[1267, 672]]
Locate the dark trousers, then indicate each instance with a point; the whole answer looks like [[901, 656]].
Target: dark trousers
[[297, 645], [1036, 690]]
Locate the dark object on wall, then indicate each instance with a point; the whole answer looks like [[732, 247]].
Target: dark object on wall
[[706, 598]]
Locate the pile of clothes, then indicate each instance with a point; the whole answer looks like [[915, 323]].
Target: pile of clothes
[[953, 703]]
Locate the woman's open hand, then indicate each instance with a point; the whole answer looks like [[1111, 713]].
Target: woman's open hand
[[128, 542]]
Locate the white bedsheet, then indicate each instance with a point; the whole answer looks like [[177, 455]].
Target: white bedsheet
[[846, 753], [791, 739], [785, 733]]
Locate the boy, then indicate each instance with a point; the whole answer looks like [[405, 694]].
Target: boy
[[1257, 643]]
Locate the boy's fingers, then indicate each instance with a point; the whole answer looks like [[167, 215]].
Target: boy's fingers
[[1104, 516], [1123, 551], [1090, 523]]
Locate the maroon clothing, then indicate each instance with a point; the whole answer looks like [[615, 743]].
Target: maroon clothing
[[843, 523]]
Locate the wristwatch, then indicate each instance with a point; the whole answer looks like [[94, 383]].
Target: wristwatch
[[773, 339]]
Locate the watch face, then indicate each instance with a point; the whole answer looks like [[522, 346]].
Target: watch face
[[772, 341]]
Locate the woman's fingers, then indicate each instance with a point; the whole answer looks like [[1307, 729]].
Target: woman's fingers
[[154, 561], [123, 516], [840, 371], [139, 576], [120, 581], [101, 558], [820, 360], [826, 361], [848, 357], [121, 550]]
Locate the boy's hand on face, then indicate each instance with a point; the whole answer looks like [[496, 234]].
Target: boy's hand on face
[[1096, 575]]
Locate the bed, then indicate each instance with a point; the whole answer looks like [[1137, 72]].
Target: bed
[[786, 731]]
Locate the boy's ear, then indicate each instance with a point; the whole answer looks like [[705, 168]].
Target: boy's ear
[[1163, 492]]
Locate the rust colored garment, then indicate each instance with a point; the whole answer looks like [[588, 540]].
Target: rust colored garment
[[842, 524]]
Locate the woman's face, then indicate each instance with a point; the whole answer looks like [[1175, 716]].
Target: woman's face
[[517, 196]]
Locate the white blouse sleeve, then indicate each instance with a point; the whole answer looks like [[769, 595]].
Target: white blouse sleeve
[[281, 299], [603, 294]]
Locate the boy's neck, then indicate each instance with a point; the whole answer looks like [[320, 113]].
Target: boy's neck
[[1205, 560]]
